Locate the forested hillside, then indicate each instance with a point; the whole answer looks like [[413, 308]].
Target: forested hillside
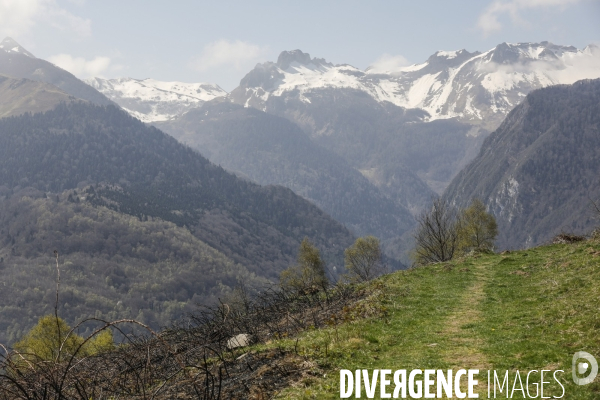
[[119, 165], [272, 150], [112, 265], [539, 172]]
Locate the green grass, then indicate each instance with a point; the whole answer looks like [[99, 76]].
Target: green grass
[[521, 311]]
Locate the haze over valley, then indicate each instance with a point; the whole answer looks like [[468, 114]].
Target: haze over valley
[[407, 131]]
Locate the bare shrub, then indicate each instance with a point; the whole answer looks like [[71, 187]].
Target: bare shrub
[[437, 235], [191, 359]]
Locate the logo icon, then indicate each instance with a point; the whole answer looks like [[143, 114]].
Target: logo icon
[[583, 366]]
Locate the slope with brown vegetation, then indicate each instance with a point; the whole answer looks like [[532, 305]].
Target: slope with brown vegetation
[[201, 357]]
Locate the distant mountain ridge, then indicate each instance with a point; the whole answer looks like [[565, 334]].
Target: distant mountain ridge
[[539, 171], [150, 100], [473, 87]]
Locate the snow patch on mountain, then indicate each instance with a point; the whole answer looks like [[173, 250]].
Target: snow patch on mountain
[[448, 54], [151, 100]]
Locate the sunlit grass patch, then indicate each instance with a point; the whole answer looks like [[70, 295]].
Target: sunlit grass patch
[[522, 310]]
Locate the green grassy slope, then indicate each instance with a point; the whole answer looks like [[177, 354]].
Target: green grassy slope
[[521, 311], [18, 96]]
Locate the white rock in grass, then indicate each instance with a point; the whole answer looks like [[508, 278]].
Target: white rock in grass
[[240, 340]]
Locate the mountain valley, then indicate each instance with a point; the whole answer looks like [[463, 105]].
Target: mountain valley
[[272, 150], [360, 145], [407, 131], [299, 200]]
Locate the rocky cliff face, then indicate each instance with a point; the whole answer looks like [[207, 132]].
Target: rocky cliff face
[[539, 171]]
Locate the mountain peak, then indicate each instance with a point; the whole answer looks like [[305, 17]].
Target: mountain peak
[[10, 45], [442, 59], [287, 57], [449, 54]]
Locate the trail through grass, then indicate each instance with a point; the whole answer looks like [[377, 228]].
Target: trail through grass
[[511, 312], [463, 347]]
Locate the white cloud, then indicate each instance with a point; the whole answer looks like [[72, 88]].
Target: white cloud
[[388, 63], [489, 22], [236, 54], [79, 66], [19, 17]]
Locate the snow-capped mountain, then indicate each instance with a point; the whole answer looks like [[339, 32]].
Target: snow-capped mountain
[[478, 88], [151, 100], [472, 87], [9, 45]]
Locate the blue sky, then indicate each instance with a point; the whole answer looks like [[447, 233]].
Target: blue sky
[[220, 41]]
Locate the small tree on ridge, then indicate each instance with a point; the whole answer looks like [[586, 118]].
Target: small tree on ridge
[[309, 274], [478, 228], [363, 259], [437, 235]]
